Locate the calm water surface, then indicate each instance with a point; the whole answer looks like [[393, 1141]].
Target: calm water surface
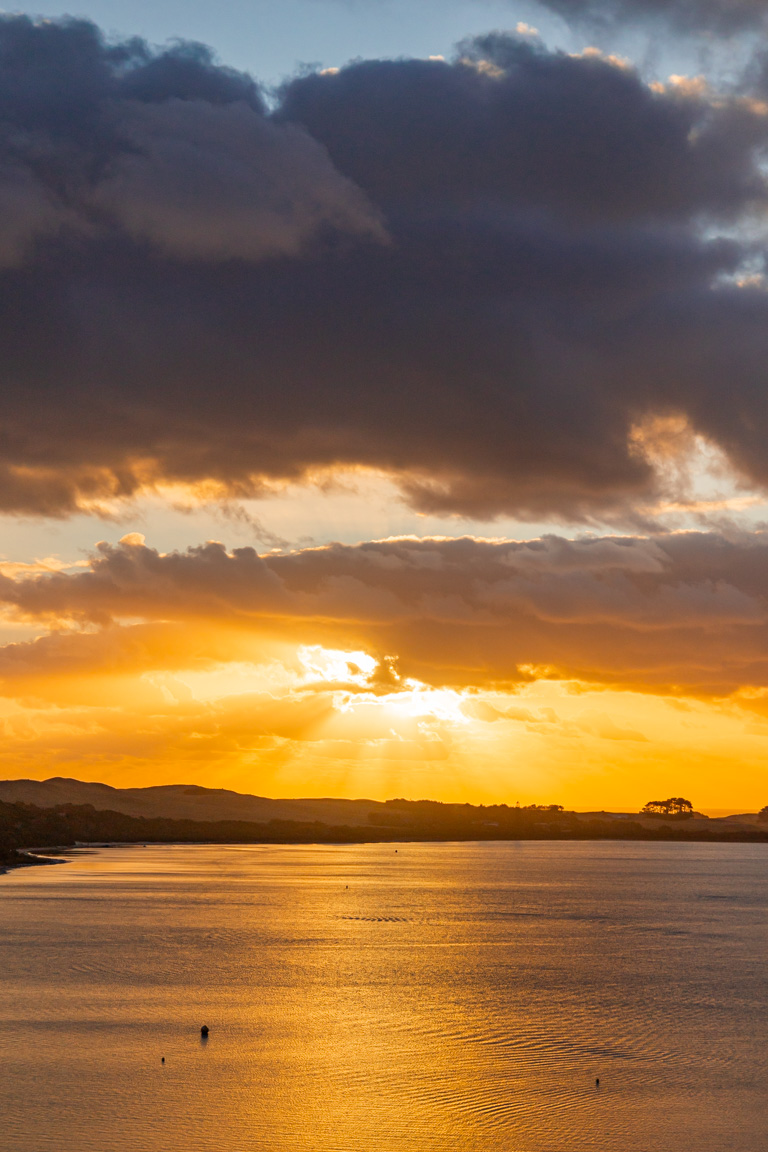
[[443, 998]]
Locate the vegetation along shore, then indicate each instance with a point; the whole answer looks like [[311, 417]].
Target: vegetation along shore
[[25, 827]]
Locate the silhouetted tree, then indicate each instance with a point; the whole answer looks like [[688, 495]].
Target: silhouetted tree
[[674, 806]]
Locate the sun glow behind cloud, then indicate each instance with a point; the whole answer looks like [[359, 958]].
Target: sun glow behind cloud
[[319, 719], [224, 667], [477, 407]]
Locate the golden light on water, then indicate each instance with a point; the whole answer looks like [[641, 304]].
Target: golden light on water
[[447, 996]]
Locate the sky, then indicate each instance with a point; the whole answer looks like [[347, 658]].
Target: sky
[[384, 398]]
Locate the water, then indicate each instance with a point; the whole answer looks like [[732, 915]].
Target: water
[[451, 998]]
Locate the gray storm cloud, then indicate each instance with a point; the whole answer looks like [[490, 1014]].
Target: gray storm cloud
[[195, 175], [479, 276], [223, 182]]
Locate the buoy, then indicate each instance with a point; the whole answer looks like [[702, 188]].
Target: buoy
[[204, 1030], [597, 1082], [162, 1059]]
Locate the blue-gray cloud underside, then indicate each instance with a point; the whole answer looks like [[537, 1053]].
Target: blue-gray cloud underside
[[477, 275]]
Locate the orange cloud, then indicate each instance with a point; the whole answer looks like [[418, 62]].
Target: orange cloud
[[580, 671], [677, 613]]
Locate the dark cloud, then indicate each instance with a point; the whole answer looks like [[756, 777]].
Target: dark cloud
[[513, 125], [479, 276], [166, 148], [680, 613]]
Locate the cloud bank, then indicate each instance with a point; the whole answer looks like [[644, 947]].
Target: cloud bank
[[681, 614], [480, 276]]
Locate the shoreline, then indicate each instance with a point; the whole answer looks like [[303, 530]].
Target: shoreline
[[34, 857], [38, 833]]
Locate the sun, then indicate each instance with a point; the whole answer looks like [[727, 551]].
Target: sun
[[336, 666]]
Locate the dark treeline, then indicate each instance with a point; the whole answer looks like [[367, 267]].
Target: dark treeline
[[25, 826]]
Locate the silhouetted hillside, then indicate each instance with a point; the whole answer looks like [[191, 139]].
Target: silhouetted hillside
[[183, 802], [28, 826]]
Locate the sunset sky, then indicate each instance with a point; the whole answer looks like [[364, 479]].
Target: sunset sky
[[384, 398]]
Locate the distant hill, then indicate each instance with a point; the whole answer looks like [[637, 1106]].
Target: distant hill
[[193, 802], [185, 802], [59, 812]]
